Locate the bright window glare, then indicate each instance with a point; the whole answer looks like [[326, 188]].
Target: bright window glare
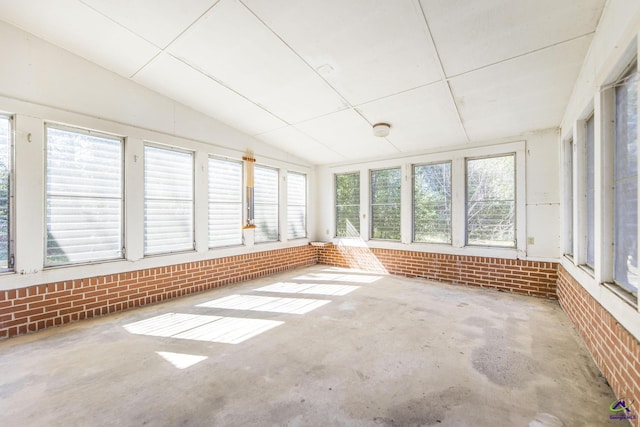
[[308, 288], [179, 360], [354, 278], [269, 304], [228, 330]]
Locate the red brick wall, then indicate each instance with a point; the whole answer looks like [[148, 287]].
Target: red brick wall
[[614, 349], [42, 306], [516, 276]]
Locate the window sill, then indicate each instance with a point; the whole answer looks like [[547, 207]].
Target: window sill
[[623, 294], [588, 270]]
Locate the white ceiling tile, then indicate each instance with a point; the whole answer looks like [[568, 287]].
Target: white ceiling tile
[[233, 46], [347, 133], [177, 80], [81, 30], [159, 21], [292, 141], [365, 49], [523, 94], [470, 35], [420, 119]]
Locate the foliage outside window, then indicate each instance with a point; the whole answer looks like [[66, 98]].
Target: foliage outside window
[[625, 207], [83, 197], [225, 202], [491, 201], [266, 204], [348, 205], [432, 203], [168, 200], [385, 204]]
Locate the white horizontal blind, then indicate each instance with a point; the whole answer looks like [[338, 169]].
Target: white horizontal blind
[[297, 205], [385, 204], [168, 200], [348, 204], [266, 204], [491, 203], [83, 197], [225, 202], [5, 173], [432, 203]]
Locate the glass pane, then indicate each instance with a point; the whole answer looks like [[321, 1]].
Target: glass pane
[[225, 202], [266, 204], [626, 185], [432, 203], [168, 205], [296, 201], [491, 201], [590, 190], [385, 204], [83, 197], [569, 198], [5, 168], [348, 205]]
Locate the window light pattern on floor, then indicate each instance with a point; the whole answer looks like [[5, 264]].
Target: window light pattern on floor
[[269, 304], [228, 330], [180, 360], [333, 277], [308, 288]]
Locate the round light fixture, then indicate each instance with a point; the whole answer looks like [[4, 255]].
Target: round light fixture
[[381, 129]]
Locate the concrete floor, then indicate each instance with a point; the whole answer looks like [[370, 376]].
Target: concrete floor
[[364, 350]]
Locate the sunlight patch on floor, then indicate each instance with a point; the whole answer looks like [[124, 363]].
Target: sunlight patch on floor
[[180, 360], [308, 288], [334, 277], [269, 304]]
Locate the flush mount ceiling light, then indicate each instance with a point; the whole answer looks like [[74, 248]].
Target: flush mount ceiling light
[[381, 129]]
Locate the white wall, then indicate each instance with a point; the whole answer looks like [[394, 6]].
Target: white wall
[[538, 200], [42, 83], [614, 46]]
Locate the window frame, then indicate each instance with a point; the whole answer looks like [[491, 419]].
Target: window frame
[[413, 202], [335, 204], [242, 201], [277, 204], [371, 224], [10, 196], [99, 134], [569, 185], [306, 205], [193, 198], [585, 215]]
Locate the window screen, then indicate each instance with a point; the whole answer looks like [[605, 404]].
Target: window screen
[[297, 205], [266, 204], [432, 203], [348, 205], [225, 202], [569, 197], [83, 196], [168, 200], [625, 245], [590, 191], [491, 201], [5, 190], [385, 204]]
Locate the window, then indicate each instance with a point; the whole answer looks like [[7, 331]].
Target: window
[[6, 261], [83, 196], [569, 198], [625, 189], [266, 204], [432, 203], [225, 202], [491, 201], [385, 204], [590, 191], [348, 205], [168, 200], [297, 205]]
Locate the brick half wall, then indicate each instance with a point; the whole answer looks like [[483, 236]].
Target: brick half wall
[[508, 275], [42, 306], [615, 351]]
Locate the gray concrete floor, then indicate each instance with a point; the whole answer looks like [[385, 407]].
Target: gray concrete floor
[[364, 350]]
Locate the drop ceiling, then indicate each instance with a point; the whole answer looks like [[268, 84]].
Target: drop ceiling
[[311, 77]]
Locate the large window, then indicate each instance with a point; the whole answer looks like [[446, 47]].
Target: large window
[[225, 202], [297, 205], [6, 261], [625, 206], [569, 197], [432, 203], [491, 204], [385, 204], [83, 196], [168, 200], [348, 204], [266, 204], [590, 188]]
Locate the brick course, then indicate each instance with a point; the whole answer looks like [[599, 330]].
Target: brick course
[[615, 351]]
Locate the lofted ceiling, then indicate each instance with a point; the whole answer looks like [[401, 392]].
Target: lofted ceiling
[[311, 77]]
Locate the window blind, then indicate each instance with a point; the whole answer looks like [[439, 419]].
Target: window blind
[[225, 202], [266, 204], [297, 205]]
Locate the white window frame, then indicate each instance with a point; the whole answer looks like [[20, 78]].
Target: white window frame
[[413, 201], [240, 193], [371, 225], [306, 197], [10, 196], [569, 165], [335, 203], [277, 204]]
